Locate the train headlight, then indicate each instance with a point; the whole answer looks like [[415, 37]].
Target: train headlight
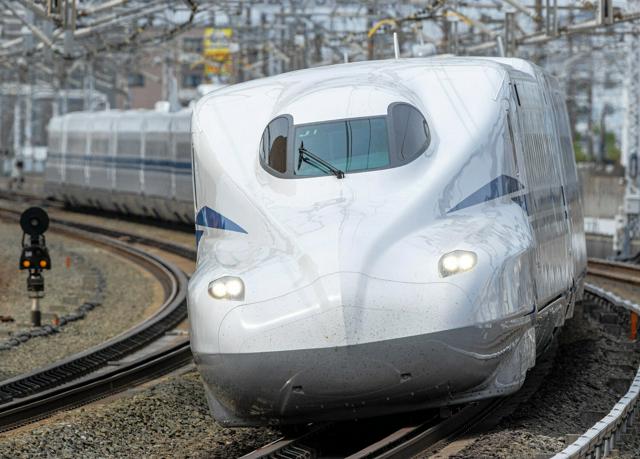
[[227, 288], [456, 262]]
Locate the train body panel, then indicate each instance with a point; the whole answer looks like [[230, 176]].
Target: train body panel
[[345, 300], [55, 161], [182, 178], [133, 162]]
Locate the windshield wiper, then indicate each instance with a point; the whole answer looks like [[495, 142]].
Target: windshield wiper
[[302, 152]]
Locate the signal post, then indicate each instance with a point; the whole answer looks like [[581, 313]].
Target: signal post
[[35, 256]]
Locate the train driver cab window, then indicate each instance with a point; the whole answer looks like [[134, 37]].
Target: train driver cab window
[[338, 147], [348, 145], [410, 132], [273, 147]]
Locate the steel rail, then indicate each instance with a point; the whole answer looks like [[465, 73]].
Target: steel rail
[[614, 270], [94, 386], [407, 442], [91, 373]]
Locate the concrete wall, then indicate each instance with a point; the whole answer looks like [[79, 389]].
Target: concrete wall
[[602, 246], [602, 189]]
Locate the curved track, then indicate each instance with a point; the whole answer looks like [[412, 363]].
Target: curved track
[[600, 440], [142, 353], [614, 270]]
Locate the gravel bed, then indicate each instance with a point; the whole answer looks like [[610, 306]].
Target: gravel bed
[[170, 419], [128, 292], [593, 368]]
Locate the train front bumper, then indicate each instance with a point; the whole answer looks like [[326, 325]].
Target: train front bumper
[[314, 355], [365, 380]]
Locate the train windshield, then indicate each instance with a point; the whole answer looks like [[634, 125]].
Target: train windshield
[[347, 145], [337, 147]]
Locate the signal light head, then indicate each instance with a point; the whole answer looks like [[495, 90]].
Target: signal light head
[[34, 221], [43, 263], [26, 263]]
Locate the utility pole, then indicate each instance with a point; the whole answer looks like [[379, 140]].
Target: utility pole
[[88, 84], [538, 54], [262, 51], [509, 33], [602, 147], [283, 46], [17, 117], [570, 84], [452, 27], [371, 11], [3, 146], [28, 116], [590, 133]]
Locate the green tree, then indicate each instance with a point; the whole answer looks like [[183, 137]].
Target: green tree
[[577, 148], [612, 152]]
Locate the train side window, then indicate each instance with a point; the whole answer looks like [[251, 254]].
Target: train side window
[[128, 144], [273, 147], [55, 142], [183, 148], [517, 94], [76, 143], [411, 135], [99, 143], [156, 146]]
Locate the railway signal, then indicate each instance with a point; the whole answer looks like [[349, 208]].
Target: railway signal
[[35, 256]]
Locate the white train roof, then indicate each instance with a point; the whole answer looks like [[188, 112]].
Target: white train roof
[[458, 96], [125, 120], [356, 89]]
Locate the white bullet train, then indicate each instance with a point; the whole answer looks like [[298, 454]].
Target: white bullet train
[[379, 237], [134, 162]]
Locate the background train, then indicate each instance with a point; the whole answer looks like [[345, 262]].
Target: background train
[[380, 236], [136, 162]]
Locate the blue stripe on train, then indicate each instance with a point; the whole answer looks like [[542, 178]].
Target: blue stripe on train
[[495, 189], [212, 219], [123, 161]]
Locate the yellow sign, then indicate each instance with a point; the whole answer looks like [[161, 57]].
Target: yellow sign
[[216, 49]]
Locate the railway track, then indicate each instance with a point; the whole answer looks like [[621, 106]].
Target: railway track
[[404, 435], [613, 270], [397, 436], [144, 352]]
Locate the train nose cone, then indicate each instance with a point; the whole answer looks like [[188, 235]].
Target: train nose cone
[[318, 349], [352, 374], [295, 385]]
